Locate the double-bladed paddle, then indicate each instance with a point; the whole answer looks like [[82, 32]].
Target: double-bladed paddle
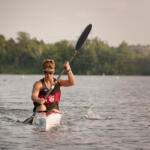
[[78, 45]]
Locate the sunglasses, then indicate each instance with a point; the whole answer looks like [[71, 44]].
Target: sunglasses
[[49, 72]]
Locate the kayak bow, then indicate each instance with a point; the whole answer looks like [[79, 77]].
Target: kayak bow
[[46, 121]]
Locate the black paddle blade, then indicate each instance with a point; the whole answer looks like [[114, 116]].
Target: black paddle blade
[[83, 37]]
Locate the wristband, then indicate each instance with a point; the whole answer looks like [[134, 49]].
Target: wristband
[[68, 70]]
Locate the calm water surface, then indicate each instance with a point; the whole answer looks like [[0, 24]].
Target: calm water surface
[[100, 113]]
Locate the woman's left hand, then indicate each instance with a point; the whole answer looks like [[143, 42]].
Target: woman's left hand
[[67, 66]]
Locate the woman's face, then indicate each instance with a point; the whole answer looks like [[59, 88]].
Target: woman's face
[[49, 73]]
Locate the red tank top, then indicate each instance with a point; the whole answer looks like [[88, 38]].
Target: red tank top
[[55, 94]]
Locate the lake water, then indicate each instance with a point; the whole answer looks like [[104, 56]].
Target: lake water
[[100, 113]]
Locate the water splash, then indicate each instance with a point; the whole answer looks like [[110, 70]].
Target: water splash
[[91, 115]]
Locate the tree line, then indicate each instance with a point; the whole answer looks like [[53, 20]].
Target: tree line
[[24, 55]]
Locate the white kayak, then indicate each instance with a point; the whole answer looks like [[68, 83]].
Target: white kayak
[[45, 122]]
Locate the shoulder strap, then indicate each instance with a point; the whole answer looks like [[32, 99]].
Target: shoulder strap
[[57, 82], [43, 83]]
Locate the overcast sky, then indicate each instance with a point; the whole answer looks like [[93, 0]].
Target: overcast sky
[[113, 21]]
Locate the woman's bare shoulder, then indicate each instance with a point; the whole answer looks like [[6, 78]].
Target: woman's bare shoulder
[[38, 84]]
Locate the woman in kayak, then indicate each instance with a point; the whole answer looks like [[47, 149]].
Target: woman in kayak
[[42, 86]]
